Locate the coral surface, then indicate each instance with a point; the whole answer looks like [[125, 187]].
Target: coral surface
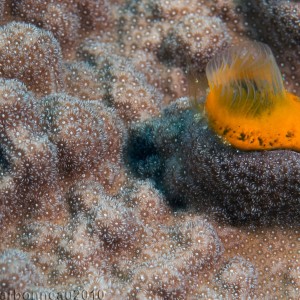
[[111, 185], [192, 165]]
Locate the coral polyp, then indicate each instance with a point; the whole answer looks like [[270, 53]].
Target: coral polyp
[[247, 104], [111, 185]]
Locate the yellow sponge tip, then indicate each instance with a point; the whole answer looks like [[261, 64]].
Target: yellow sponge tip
[[247, 104]]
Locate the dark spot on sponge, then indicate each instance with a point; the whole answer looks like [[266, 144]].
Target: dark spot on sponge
[[242, 137], [261, 142], [226, 130]]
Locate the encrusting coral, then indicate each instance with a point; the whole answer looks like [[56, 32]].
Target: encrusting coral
[[194, 40], [16, 270], [67, 20], [125, 88], [28, 157], [111, 182], [77, 133], [32, 55]]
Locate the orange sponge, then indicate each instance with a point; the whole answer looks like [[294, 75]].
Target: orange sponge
[[247, 104]]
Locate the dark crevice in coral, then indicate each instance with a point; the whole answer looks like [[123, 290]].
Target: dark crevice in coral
[[4, 163], [142, 156]]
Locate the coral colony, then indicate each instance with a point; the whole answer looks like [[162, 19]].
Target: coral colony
[[149, 149]]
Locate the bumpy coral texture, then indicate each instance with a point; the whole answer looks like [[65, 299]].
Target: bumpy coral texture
[[16, 270], [109, 183], [67, 20], [31, 55], [125, 88]]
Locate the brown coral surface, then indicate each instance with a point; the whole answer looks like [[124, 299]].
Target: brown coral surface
[[96, 202]]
